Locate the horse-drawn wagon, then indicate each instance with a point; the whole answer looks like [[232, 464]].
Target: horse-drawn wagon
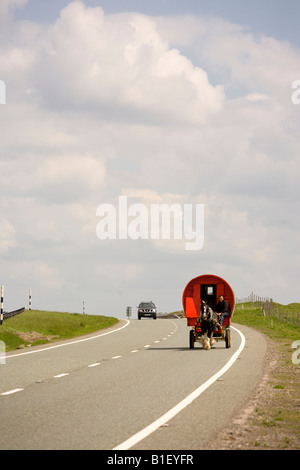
[[200, 299]]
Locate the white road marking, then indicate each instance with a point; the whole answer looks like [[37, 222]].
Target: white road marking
[[67, 344], [139, 436], [12, 391], [72, 342]]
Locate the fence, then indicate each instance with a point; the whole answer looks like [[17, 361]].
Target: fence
[[5, 315], [253, 298], [13, 313], [273, 310], [282, 314]]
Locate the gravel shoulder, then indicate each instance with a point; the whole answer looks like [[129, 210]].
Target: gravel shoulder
[[270, 418]]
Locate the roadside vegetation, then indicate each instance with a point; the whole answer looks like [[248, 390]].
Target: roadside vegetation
[[251, 314], [34, 327], [275, 420]]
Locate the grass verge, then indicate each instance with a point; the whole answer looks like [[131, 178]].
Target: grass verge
[[274, 423], [250, 314], [33, 327]]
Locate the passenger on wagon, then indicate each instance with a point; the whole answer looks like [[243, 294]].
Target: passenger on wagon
[[222, 309]]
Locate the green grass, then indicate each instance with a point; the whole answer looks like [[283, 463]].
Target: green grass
[[279, 406], [50, 326], [250, 314]]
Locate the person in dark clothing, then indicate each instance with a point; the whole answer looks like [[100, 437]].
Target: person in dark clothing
[[222, 309]]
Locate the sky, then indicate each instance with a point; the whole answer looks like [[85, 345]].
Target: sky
[[164, 102]]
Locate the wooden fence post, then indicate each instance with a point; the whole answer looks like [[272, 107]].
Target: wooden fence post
[[1, 313]]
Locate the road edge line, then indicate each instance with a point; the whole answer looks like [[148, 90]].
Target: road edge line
[[139, 436], [68, 343]]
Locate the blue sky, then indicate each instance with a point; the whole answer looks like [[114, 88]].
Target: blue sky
[[163, 102], [278, 18]]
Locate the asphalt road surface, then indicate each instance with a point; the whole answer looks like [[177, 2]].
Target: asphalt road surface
[[127, 388]]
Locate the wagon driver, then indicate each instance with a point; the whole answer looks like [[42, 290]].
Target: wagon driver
[[222, 309]]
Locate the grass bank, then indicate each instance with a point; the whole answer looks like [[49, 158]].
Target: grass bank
[[250, 314], [275, 420], [33, 327]]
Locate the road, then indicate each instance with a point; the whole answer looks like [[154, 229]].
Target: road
[[99, 392]]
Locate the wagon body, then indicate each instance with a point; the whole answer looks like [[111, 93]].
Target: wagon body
[[207, 287]]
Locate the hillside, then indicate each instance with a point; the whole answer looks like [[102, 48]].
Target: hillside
[[33, 327]]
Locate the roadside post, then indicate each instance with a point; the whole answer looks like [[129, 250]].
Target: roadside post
[[1, 313], [128, 312]]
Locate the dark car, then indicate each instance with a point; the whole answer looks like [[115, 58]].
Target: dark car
[[147, 309]]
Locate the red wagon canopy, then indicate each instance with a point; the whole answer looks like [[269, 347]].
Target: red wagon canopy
[[207, 287]]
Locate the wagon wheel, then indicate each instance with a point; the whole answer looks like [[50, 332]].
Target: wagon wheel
[[192, 339], [228, 338]]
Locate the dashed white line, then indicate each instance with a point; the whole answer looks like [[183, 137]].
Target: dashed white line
[[10, 392], [184, 403]]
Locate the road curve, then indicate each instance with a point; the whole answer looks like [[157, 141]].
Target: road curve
[[100, 392]]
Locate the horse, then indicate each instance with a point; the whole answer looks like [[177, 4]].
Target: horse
[[209, 320]]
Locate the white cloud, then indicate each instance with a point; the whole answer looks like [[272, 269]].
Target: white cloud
[[69, 178], [7, 236], [103, 105], [91, 60], [39, 273], [242, 60]]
